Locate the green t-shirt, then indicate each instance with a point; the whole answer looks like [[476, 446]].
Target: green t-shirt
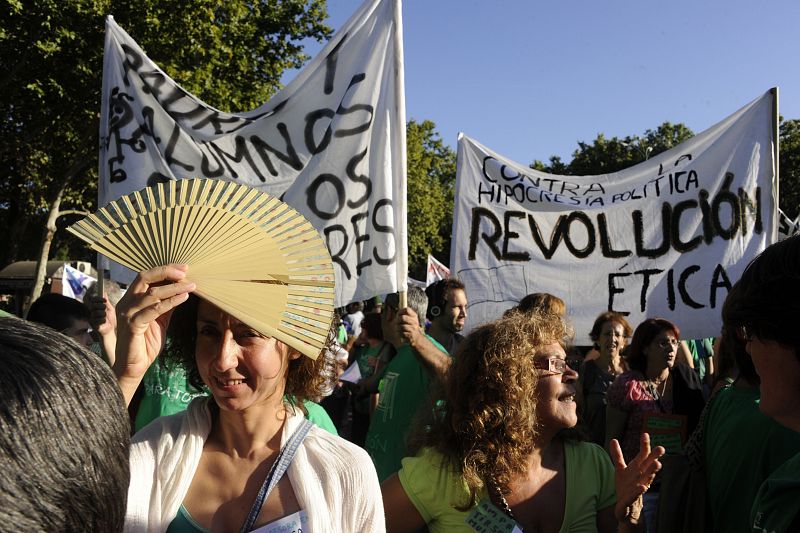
[[702, 350], [362, 356], [435, 489], [777, 504], [734, 472], [403, 390], [166, 391], [320, 417]]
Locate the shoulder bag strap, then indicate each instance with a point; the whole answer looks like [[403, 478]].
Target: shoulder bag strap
[[279, 467]]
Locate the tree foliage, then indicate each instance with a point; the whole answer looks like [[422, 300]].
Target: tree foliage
[[604, 156], [230, 53], [790, 167], [431, 183]]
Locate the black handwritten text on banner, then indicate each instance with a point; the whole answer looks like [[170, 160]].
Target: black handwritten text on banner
[[665, 238], [328, 144]]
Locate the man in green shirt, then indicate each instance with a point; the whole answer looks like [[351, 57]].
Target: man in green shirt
[[404, 381], [762, 308]]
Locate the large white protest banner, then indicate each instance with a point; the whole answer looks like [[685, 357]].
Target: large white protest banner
[[331, 144], [665, 238]]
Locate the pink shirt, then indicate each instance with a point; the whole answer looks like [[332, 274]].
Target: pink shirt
[[630, 394]]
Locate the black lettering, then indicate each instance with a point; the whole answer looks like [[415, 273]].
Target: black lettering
[[646, 273], [330, 65], [555, 235], [241, 153], [205, 165], [682, 287], [638, 233], [290, 157], [383, 228], [312, 193], [719, 280], [613, 289], [311, 120], [587, 250], [345, 132], [705, 208], [508, 235], [508, 178], [358, 240], [671, 289], [677, 181], [481, 192], [170, 151], [336, 256], [132, 62], [675, 228], [216, 119], [750, 207], [726, 196], [692, 179], [605, 241], [491, 239], [358, 178], [483, 167]]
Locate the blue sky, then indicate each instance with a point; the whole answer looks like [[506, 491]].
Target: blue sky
[[529, 78]]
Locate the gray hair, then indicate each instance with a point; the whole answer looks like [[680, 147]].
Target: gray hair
[[418, 301]]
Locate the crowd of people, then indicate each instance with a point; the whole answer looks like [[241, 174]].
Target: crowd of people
[[507, 428]]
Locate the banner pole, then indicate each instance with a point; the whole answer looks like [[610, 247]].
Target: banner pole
[[776, 133], [402, 264]]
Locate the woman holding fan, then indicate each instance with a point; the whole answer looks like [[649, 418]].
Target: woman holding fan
[[217, 466]]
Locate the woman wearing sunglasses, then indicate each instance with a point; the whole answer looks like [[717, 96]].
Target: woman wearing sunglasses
[[497, 454]]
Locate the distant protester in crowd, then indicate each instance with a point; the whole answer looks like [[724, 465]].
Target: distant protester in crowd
[[499, 447], [404, 383], [655, 393], [63, 314], [762, 307], [542, 302], [610, 333], [447, 312], [64, 435]]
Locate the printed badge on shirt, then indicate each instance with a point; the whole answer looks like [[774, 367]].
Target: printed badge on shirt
[[294, 523], [486, 517]]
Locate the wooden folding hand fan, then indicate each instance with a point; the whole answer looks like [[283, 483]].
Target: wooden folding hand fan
[[249, 254]]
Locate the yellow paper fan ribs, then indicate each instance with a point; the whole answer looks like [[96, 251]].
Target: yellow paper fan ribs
[[249, 254]]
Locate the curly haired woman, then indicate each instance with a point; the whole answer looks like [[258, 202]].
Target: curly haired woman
[[499, 448]]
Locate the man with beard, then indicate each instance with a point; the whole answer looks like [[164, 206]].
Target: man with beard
[[447, 311]]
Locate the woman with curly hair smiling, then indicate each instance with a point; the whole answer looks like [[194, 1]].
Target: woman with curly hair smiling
[[499, 447]]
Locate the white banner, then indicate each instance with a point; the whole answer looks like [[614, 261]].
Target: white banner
[[665, 238], [786, 226], [331, 144], [436, 271]]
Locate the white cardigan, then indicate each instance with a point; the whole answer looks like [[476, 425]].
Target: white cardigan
[[333, 480]]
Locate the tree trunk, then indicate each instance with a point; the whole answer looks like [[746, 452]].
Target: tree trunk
[[47, 240], [50, 230]]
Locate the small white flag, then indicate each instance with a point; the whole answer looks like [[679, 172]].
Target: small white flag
[[436, 271]]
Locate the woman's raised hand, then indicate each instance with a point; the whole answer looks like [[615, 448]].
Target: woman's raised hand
[[142, 318], [634, 479]]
